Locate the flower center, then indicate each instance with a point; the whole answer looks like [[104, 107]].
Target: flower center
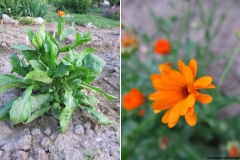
[[185, 92]]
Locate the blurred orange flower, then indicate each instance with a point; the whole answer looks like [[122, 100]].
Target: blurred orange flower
[[141, 113], [162, 46], [128, 39], [233, 151], [60, 13], [133, 99], [177, 92]]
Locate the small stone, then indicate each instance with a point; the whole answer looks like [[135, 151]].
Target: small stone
[[87, 125], [40, 154], [36, 132], [84, 144], [21, 155], [24, 142], [45, 142], [47, 131], [79, 129], [26, 131], [89, 132]]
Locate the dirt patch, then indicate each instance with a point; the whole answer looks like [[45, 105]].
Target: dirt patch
[[85, 138]]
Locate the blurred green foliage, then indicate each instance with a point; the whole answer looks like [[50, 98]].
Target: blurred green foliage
[[142, 137]]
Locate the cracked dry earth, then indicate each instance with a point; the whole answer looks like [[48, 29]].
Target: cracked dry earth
[[85, 138]]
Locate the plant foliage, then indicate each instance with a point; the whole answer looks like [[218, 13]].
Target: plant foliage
[[53, 86]]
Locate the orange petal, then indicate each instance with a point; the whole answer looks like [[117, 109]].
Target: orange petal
[[204, 98], [188, 75], [210, 86], [162, 105], [156, 111], [178, 77], [180, 66], [190, 110], [172, 124], [190, 100], [191, 119], [175, 114], [202, 81], [193, 66], [165, 117], [184, 108], [155, 76], [164, 68]]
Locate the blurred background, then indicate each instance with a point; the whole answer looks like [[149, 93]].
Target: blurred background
[[208, 31]]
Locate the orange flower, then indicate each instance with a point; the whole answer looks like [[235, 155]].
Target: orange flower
[[128, 39], [133, 99], [177, 92], [233, 151], [60, 13], [141, 113], [162, 46]]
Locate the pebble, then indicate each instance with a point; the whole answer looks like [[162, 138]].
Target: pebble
[[40, 154], [36, 132], [21, 155], [84, 144], [45, 142], [79, 129], [47, 131], [87, 125]]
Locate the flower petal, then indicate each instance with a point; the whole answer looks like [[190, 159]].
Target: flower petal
[[180, 66], [191, 119], [172, 124], [175, 114], [156, 111], [210, 86], [184, 107], [188, 75], [190, 110], [165, 117], [202, 81], [190, 100], [178, 78], [204, 98], [164, 68], [193, 66]]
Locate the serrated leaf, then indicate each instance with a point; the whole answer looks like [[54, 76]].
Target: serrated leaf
[[38, 75], [21, 47], [37, 65], [40, 100], [102, 119], [66, 32], [108, 96], [16, 64], [4, 113], [9, 81], [21, 108], [70, 105], [37, 113]]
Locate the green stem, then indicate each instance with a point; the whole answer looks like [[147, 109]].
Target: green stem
[[228, 67]]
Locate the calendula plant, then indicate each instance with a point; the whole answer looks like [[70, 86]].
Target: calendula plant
[[53, 85]]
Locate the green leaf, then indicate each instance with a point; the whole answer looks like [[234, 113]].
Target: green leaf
[[70, 105], [31, 54], [37, 114], [79, 41], [21, 108], [9, 81], [38, 75], [93, 62], [88, 100], [16, 64], [108, 96], [61, 24], [4, 113], [39, 37], [97, 115], [52, 39], [61, 70], [40, 100], [56, 110], [37, 65], [21, 47], [83, 53], [78, 73], [30, 33], [66, 32], [50, 56]]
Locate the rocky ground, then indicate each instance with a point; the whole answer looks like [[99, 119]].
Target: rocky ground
[[85, 138]]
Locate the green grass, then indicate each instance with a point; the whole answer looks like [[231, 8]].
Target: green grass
[[80, 19]]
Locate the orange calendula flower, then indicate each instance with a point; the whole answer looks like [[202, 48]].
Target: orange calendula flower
[[128, 39], [178, 91], [162, 46], [233, 151], [133, 99], [141, 113], [60, 13], [233, 148]]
